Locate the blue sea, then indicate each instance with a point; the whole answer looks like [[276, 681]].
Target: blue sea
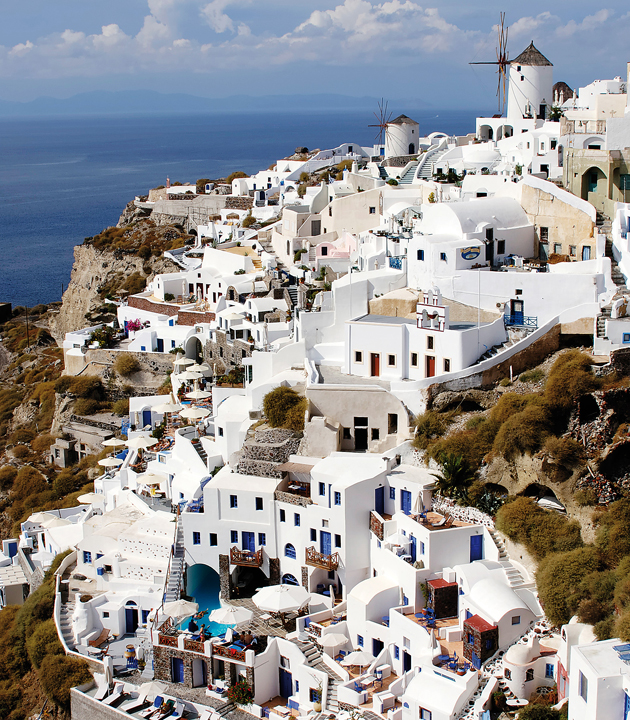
[[63, 179]]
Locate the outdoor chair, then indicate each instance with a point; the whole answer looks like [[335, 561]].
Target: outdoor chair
[[157, 704]]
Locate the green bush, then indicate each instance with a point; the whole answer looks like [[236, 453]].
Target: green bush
[[28, 481], [86, 406], [524, 432], [283, 405], [22, 435], [248, 220], [565, 451], [535, 711], [41, 444], [508, 405], [168, 297], [612, 538], [44, 641], [21, 452], [58, 674], [126, 364], [570, 377], [121, 407], [134, 284], [234, 176], [532, 376], [82, 386], [429, 426]]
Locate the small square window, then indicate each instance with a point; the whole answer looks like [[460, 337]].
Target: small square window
[[544, 234], [233, 536], [372, 210], [337, 498], [360, 640], [87, 557], [337, 541], [572, 250], [196, 538], [430, 342], [313, 535], [220, 432], [443, 257], [283, 516], [259, 503], [358, 356], [420, 255], [414, 359], [233, 501], [296, 519], [347, 435], [213, 539], [626, 338], [391, 361], [557, 248], [392, 493], [105, 614], [516, 619], [262, 539]]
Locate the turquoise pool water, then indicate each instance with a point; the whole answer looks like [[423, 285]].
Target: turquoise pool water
[[202, 584]]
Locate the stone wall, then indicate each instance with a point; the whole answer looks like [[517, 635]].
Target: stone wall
[[291, 499], [400, 161], [145, 304], [238, 203], [162, 664], [226, 353], [83, 706], [225, 579], [189, 318], [274, 571], [267, 449]]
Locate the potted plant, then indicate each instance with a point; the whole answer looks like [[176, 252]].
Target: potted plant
[[240, 693]]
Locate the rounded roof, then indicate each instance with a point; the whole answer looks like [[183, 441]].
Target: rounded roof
[[522, 653], [402, 120], [496, 599], [531, 56], [368, 589]]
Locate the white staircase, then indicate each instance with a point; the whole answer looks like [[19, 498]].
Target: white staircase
[[314, 659], [426, 171], [409, 175], [514, 577], [177, 565], [65, 623]]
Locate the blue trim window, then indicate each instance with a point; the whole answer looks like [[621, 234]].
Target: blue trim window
[[214, 540], [283, 515], [262, 539], [471, 639], [516, 619], [296, 519], [549, 671], [145, 616], [421, 548], [420, 255], [360, 640], [425, 714], [196, 538], [392, 493], [583, 687], [337, 498], [626, 338], [396, 652], [322, 489], [87, 557], [233, 501], [234, 536], [289, 551]]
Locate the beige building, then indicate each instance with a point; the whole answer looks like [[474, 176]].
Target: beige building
[[602, 177]]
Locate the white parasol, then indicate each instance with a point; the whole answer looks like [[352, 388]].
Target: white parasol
[[198, 368], [231, 615], [281, 598], [183, 361], [187, 375], [358, 657], [113, 442], [110, 462], [333, 640], [90, 498], [168, 407], [198, 394], [180, 608], [141, 442], [194, 413]]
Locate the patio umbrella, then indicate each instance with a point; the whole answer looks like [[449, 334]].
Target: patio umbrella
[[141, 442], [187, 375], [180, 608], [397, 539], [113, 442], [151, 478], [418, 506], [198, 368], [231, 615], [194, 413], [281, 598], [90, 498], [198, 394], [108, 670], [168, 407], [183, 361], [358, 657], [110, 462], [151, 689], [55, 522], [333, 640], [40, 517]]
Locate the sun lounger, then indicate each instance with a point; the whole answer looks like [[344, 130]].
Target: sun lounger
[[205, 715], [179, 708], [116, 694], [101, 692], [136, 705], [157, 704]]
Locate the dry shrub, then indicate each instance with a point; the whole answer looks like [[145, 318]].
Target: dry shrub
[[430, 426], [570, 377], [126, 364], [510, 404], [565, 451], [524, 432], [41, 444], [121, 407], [7, 475], [86, 406], [28, 482], [22, 435], [278, 403], [21, 452]]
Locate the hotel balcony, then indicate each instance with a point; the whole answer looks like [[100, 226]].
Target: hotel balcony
[[246, 558], [319, 560]]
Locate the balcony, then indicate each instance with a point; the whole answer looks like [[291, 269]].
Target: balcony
[[246, 558], [319, 560], [519, 320], [194, 646], [377, 524], [227, 651]]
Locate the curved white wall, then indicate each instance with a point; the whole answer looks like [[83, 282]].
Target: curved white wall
[[398, 138], [536, 86]]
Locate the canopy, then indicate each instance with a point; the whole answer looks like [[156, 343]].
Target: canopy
[[39, 517], [333, 640], [180, 608], [90, 498], [194, 413], [55, 522], [231, 615], [110, 462], [183, 361], [198, 394], [281, 598], [141, 442], [188, 375], [397, 539], [113, 442], [199, 368], [151, 689], [358, 657], [168, 407]]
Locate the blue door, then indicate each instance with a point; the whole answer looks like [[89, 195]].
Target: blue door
[[131, 620], [412, 548], [146, 418], [286, 683], [626, 709], [476, 547], [379, 500], [476, 661], [160, 345], [377, 647], [406, 661], [405, 501], [177, 670], [325, 546], [248, 541]]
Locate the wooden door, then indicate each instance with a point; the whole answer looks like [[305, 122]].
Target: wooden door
[[375, 364]]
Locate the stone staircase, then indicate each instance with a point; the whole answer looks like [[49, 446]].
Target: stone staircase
[[314, 659], [65, 622], [495, 350], [177, 566], [293, 294], [514, 577], [201, 452], [225, 709], [426, 172], [383, 173], [409, 175], [604, 225]]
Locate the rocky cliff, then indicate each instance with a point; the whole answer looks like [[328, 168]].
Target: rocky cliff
[[92, 272]]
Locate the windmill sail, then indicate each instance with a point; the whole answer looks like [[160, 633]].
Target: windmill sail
[[502, 62]]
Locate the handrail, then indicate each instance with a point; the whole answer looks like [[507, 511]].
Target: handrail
[[318, 559]]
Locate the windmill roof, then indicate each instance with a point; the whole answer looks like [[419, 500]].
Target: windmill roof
[[531, 56], [402, 120]]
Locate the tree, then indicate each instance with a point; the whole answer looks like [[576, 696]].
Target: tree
[[454, 476], [59, 673], [539, 712], [282, 405]]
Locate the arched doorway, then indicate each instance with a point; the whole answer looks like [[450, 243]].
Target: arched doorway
[[246, 580], [194, 350], [594, 186], [412, 149], [288, 579], [131, 617]]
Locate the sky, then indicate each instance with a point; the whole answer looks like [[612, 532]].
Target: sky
[[398, 49]]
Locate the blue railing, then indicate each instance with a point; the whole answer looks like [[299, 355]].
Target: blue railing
[[395, 263], [519, 320]]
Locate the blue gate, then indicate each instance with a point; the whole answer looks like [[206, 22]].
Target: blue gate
[[286, 683], [405, 501], [249, 541], [476, 547], [177, 670]]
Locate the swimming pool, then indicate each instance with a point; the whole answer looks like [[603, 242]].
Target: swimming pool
[[202, 584]]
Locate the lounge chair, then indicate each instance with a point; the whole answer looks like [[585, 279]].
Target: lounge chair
[[136, 705], [179, 708], [102, 692], [157, 704], [166, 710]]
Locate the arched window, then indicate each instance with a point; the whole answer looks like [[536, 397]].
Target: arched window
[[289, 551], [529, 675], [289, 579], [507, 674], [412, 148]]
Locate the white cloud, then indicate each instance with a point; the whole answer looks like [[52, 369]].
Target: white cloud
[[590, 22], [526, 25], [21, 48], [215, 16]]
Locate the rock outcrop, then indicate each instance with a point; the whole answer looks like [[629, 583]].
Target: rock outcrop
[[92, 270]]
